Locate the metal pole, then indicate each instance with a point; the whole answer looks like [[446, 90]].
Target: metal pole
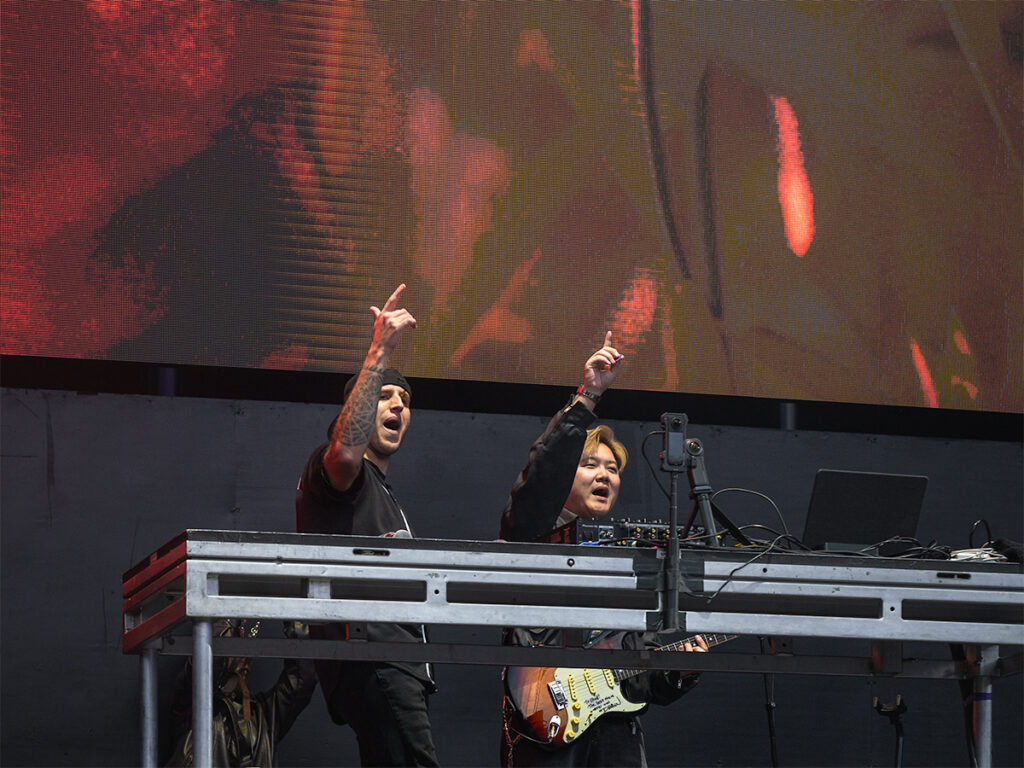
[[671, 615], [148, 708], [988, 655], [673, 461], [202, 692]]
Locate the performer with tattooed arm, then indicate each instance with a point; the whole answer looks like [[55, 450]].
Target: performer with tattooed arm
[[343, 490]]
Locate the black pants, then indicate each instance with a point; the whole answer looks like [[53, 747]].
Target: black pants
[[612, 742], [387, 709]]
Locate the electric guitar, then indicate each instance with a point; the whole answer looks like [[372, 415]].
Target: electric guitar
[[558, 704]]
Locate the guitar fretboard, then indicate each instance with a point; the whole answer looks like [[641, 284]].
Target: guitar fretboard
[[711, 640]]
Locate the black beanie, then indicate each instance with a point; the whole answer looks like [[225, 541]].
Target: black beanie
[[390, 376]]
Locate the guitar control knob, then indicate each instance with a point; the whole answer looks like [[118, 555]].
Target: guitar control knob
[[569, 736], [577, 706], [575, 721]]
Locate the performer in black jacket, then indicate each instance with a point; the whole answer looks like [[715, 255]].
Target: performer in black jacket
[[573, 472], [247, 727], [343, 490]]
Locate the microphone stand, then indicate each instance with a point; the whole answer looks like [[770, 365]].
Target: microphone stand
[[680, 454], [769, 705], [894, 711], [700, 492], [673, 461], [700, 489]]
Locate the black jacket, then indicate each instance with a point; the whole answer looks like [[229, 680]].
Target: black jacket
[[535, 508], [235, 741]]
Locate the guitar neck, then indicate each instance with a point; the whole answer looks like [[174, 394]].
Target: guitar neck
[[711, 640]]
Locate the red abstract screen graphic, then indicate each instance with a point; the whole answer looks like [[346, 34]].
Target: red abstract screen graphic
[[780, 200], [795, 197]]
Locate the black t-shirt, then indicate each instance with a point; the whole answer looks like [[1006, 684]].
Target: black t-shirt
[[367, 508]]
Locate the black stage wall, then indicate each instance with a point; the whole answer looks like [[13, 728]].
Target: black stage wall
[[93, 483]]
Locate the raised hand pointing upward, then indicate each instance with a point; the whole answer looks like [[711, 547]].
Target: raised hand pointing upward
[[599, 372], [389, 324]]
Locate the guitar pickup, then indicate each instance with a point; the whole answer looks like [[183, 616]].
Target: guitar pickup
[[557, 694]]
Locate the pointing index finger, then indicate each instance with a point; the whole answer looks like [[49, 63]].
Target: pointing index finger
[[393, 298]]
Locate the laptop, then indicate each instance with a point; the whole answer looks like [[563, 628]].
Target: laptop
[[853, 510]]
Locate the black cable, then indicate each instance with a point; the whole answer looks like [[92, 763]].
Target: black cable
[[779, 537], [763, 496], [739, 567], [915, 549], [697, 538], [958, 653], [974, 527], [925, 553], [647, 460]]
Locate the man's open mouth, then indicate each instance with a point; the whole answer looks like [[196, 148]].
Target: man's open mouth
[[393, 424], [601, 492]]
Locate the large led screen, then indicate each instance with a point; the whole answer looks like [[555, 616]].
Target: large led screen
[[799, 200]]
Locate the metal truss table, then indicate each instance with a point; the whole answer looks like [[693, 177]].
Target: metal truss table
[[203, 575]]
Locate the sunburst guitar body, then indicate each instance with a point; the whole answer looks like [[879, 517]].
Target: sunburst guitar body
[[557, 704]]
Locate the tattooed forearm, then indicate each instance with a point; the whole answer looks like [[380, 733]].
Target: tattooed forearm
[[359, 415]]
